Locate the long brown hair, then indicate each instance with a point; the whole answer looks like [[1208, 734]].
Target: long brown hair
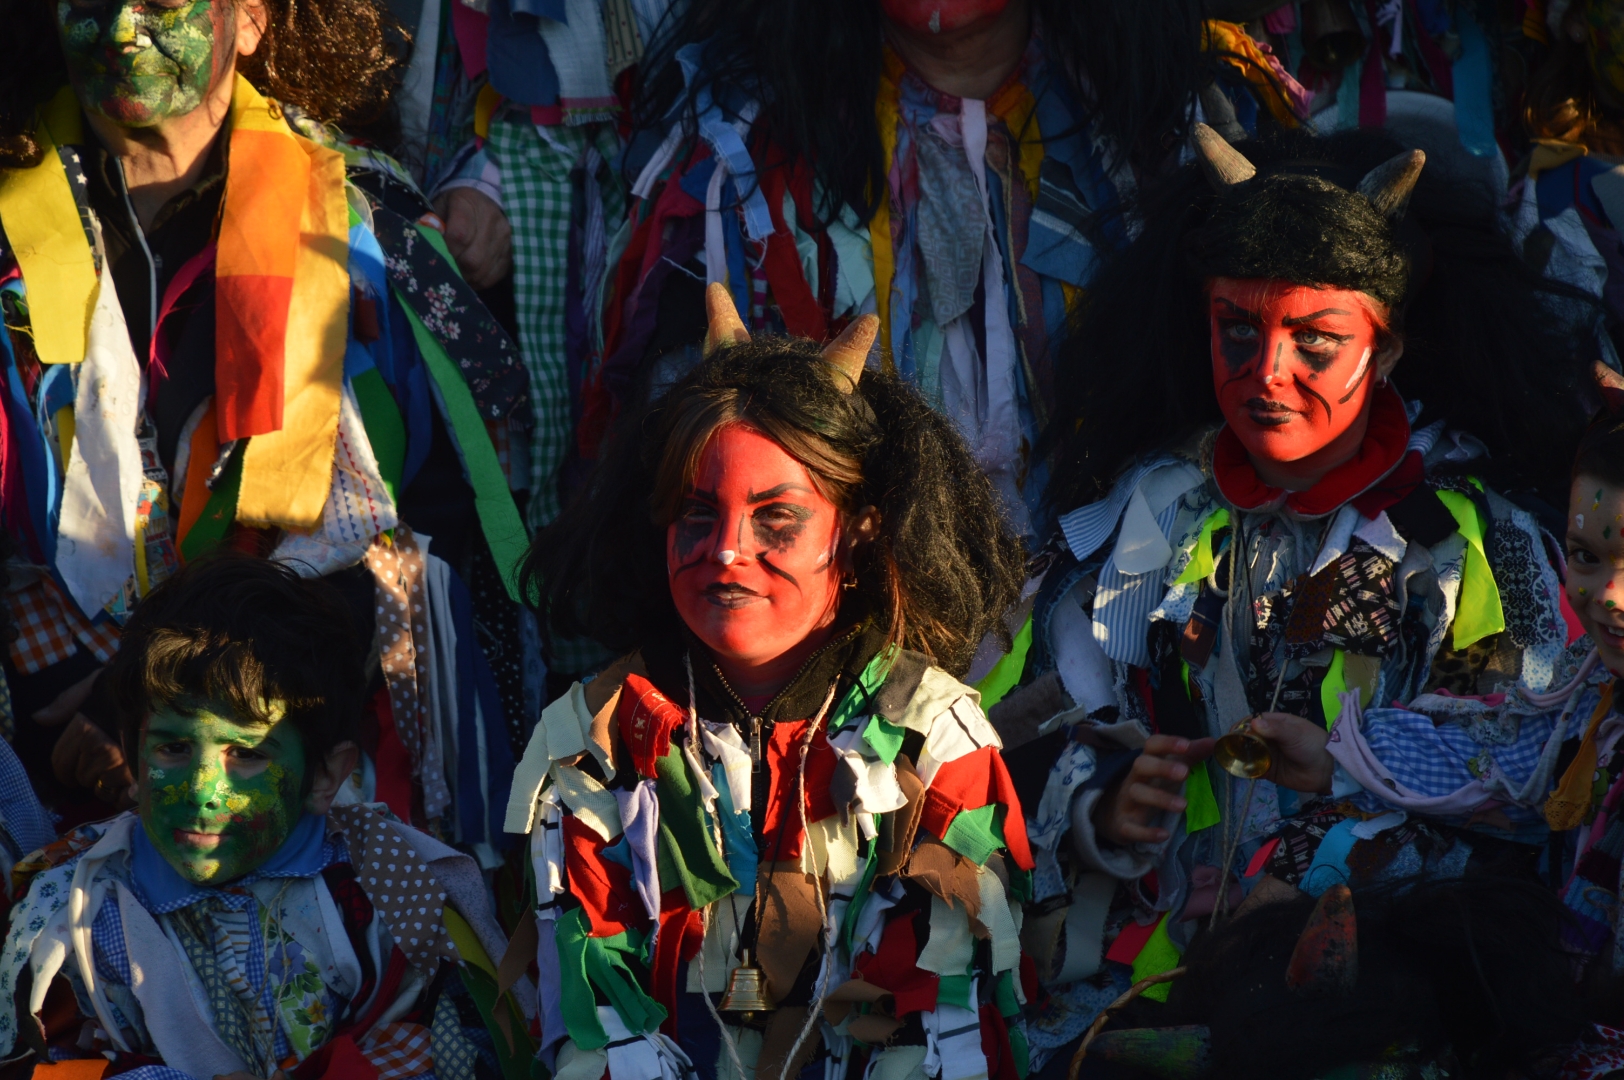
[[939, 576], [337, 60]]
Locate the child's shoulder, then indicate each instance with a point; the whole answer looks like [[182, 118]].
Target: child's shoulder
[[61, 852]]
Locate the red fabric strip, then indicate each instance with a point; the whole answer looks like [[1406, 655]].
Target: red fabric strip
[[969, 783], [893, 967], [251, 313], [781, 831], [646, 718], [604, 888]]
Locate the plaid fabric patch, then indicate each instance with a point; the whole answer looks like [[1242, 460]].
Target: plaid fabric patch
[[537, 194], [49, 627], [399, 1050]]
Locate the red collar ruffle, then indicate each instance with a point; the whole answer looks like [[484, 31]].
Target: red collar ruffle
[[1381, 456]]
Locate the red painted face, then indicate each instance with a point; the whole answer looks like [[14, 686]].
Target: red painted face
[[1293, 366], [936, 16], [753, 556]]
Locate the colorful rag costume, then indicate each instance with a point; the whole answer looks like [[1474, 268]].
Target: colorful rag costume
[[361, 948], [1194, 596], [285, 361], [857, 838]]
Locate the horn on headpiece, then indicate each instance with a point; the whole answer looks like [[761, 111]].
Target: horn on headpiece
[[1326, 957], [849, 351], [1220, 112], [1388, 185], [1223, 165], [1172, 1053], [723, 327]]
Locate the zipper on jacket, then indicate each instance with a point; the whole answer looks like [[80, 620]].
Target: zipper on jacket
[[756, 755]]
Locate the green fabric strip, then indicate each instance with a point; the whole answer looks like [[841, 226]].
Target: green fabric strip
[[854, 910], [1332, 687], [498, 516], [219, 512], [1478, 613], [1201, 807], [976, 834], [514, 1059], [883, 737], [1003, 994], [386, 431], [856, 701], [954, 990], [687, 850], [1202, 561], [587, 964], [1006, 674], [1158, 955]]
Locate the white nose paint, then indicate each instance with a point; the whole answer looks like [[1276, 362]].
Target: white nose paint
[[936, 21], [726, 557]]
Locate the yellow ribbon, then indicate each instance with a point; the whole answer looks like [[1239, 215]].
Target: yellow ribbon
[[42, 223], [1478, 613], [287, 474], [1569, 804], [1202, 561]]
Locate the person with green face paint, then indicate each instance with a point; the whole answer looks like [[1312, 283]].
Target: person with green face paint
[[251, 869], [292, 364]]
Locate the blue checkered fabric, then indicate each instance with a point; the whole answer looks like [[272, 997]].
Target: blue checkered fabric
[[26, 822], [156, 1072]]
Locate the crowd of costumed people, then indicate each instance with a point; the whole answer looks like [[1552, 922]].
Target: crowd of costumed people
[[811, 539]]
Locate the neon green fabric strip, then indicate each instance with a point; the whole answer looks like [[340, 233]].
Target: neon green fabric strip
[[1201, 806], [1478, 613], [858, 699], [1006, 674], [883, 737], [1202, 561], [498, 516], [1158, 955], [1334, 684]]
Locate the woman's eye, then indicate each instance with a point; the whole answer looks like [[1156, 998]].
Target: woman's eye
[[1241, 332], [1309, 337]]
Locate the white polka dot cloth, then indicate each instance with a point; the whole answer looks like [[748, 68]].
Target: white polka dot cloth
[[398, 882]]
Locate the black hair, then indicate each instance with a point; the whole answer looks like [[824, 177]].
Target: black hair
[[243, 632], [939, 576], [1145, 59], [1483, 346], [1601, 451], [1472, 969]]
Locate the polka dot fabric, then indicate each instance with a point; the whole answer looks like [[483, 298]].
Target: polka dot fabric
[[402, 622], [399, 883]]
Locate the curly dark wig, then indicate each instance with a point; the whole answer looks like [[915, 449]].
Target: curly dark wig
[[938, 578], [1145, 58], [337, 60], [1483, 347]]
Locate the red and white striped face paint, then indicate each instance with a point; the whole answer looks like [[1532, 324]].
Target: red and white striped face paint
[[753, 555], [1293, 366]]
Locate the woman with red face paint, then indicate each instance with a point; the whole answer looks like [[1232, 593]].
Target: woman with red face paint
[[778, 834], [1260, 522]]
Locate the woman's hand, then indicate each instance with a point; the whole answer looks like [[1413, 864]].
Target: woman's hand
[[1297, 748], [1149, 790]]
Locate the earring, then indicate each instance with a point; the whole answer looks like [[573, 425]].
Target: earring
[[852, 584]]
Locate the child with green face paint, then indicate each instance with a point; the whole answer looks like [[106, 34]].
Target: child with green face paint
[[250, 872]]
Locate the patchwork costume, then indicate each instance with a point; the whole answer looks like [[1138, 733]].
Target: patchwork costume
[[1195, 596], [284, 361], [361, 948], [855, 840]]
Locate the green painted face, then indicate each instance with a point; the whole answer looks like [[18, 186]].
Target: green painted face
[[140, 62], [218, 797]]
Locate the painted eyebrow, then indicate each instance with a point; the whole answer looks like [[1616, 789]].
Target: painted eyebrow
[[773, 493], [1236, 309], [1300, 319]]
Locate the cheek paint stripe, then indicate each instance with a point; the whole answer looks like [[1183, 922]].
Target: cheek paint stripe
[[1305, 388], [1359, 372]]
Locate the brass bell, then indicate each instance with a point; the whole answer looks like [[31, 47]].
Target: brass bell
[[1331, 34], [1243, 753], [747, 990]]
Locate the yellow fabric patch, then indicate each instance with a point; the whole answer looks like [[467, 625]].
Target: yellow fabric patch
[[1478, 613], [43, 226]]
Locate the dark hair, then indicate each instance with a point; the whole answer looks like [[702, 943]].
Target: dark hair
[[1483, 346], [243, 632], [939, 576], [818, 103], [1472, 969], [336, 60], [1601, 451]]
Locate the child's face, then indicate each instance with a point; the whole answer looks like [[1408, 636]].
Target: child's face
[[218, 796], [1596, 565]]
